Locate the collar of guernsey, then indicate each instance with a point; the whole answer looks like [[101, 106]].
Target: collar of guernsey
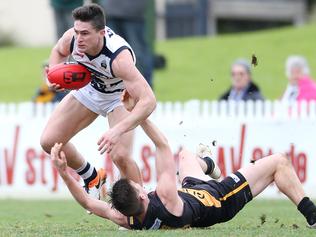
[[100, 65]]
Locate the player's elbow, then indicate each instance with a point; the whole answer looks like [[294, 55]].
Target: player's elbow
[[151, 103], [57, 53], [55, 50], [88, 204]]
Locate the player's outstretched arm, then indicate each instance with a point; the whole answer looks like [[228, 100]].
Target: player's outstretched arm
[[97, 207], [165, 169], [165, 165]]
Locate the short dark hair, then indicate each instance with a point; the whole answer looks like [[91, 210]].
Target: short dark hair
[[124, 198], [90, 13]]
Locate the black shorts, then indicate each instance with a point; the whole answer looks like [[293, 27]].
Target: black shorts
[[232, 195]]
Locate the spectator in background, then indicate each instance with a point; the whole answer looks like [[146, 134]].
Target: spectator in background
[[127, 18], [301, 86], [44, 94], [243, 88], [63, 14]]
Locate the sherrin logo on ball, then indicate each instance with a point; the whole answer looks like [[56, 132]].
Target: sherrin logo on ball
[[69, 75]]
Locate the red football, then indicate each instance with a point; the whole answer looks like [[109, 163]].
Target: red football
[[69, 76]]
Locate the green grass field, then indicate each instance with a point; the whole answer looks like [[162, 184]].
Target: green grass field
[[200, 67], [66, 218], [197, 67]]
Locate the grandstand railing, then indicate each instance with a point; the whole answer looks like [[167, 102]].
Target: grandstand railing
[[275, 110]]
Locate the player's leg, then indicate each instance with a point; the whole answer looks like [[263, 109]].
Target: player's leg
[[275, 168], [209, 167], [121, 153], [189, 166], [278, 168], [199, 165], [70, 117]]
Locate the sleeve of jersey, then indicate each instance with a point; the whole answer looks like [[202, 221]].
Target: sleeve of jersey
[[72, 44], [117, 45]]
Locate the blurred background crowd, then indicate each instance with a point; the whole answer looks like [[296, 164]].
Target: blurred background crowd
[[144, 22]]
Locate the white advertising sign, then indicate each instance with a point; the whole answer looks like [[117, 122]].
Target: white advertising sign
[[26, 170]]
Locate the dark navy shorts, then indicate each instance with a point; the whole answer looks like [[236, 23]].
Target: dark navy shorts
[[230, 196]]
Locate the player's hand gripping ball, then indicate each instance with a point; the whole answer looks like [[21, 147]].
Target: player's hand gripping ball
[[69, 76]]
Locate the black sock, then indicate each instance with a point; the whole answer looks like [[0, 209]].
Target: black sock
[[210, 165], [308, 209], [87, 173]]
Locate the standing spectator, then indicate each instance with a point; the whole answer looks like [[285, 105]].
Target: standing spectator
[[63, 14], [243, 88], [300, 86], [127, 18]]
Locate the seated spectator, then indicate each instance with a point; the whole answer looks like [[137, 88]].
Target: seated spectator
[[300, 86], [243, 88], [44, 94]]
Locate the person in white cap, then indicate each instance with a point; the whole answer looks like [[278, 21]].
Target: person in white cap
[[300, 84]]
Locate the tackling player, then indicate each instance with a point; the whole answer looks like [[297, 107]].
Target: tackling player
[[200, 201], [112, 63]]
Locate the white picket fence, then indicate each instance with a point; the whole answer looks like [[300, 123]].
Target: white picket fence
[[275, 110], [242, 131]]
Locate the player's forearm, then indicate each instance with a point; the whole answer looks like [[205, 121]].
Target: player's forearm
[[164, 157], [143, 108], [76, 190], [154, 133], [97, 207]]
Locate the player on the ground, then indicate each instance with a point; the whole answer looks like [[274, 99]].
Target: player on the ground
[[200, 202], [112, 63]]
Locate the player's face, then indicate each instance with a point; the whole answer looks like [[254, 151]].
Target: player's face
[[89, 40], [240, 77]]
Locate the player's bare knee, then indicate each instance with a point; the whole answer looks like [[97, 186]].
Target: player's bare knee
[[46, 143], [185, 157], [183, 153], [283, 160]]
